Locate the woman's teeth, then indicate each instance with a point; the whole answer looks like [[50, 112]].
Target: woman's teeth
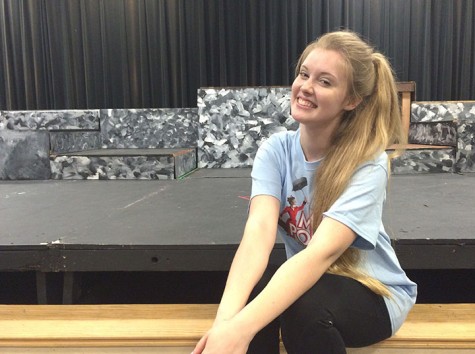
[[305, 103]]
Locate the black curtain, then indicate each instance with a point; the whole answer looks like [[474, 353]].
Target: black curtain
[[78, 54]]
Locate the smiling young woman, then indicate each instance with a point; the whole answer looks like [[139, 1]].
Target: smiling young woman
[[341, 285]]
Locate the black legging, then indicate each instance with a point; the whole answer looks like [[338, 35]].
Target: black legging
[[337, 312]]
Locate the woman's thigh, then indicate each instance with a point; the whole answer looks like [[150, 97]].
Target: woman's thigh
[[341, 307]]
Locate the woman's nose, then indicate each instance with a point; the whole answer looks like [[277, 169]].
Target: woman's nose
[[307, 86]]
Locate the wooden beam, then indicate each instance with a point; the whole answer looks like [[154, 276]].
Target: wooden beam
[[431, 326], [407, 91]]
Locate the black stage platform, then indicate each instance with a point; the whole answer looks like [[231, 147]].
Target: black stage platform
[[195, 224]]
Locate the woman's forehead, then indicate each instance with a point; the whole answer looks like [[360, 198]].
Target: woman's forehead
[[326, 61]]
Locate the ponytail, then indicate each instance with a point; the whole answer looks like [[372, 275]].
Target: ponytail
[[364, 132]]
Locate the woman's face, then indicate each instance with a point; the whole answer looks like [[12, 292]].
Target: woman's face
[[319, 92]]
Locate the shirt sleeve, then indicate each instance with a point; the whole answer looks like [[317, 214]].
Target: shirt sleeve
[[360, 207], [267, 170]]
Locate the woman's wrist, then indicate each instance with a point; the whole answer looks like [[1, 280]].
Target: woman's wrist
[[227, 311], [247, 323]]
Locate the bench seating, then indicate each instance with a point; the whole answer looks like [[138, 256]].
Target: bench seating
[[173, 329]]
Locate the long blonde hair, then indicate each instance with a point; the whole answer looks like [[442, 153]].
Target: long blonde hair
[[364, 132]]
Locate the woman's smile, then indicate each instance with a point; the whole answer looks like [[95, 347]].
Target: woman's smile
[[305, 103]]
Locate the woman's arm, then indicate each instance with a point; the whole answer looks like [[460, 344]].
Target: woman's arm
[[291, 281], [297, 275], [252, 255]]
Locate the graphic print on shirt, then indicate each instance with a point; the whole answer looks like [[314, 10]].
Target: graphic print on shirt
[[293, 219]]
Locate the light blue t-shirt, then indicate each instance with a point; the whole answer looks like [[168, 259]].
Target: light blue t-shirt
[[280, 170]]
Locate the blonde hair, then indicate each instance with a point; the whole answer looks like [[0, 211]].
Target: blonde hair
[[364, 132]]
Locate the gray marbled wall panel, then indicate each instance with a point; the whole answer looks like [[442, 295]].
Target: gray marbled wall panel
[[466, 147], [112, 167], [424, 161], [66, 141], [433, 133], [149, 128], [24, 155], [234, 121], [227, 127], [442, 111], [460, 114], [50, 120]]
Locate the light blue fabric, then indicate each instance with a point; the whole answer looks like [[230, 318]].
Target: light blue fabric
[[280, 170]]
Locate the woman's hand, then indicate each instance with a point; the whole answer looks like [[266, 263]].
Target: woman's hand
[[224, 338]]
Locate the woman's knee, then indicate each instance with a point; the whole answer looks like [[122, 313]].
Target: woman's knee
[[304, 310], [309, 327], [302, 317]]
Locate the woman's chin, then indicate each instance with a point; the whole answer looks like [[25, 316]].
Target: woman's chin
[[300, 118]]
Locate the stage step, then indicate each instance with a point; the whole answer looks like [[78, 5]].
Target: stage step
[[429, 329], [108, 164]]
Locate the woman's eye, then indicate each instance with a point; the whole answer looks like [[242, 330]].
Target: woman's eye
[[303, 74], [325, 82]]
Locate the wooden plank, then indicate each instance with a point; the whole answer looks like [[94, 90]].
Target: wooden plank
[[107, 312], [100, 350], [373, 350], [406, 90], [29, 326], [187, 350], [418, 147], [406, 86], [406, 111]]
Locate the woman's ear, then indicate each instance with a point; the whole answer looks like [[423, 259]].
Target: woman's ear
[[352, 103]]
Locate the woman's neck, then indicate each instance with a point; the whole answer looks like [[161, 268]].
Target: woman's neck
[[314, 144]]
